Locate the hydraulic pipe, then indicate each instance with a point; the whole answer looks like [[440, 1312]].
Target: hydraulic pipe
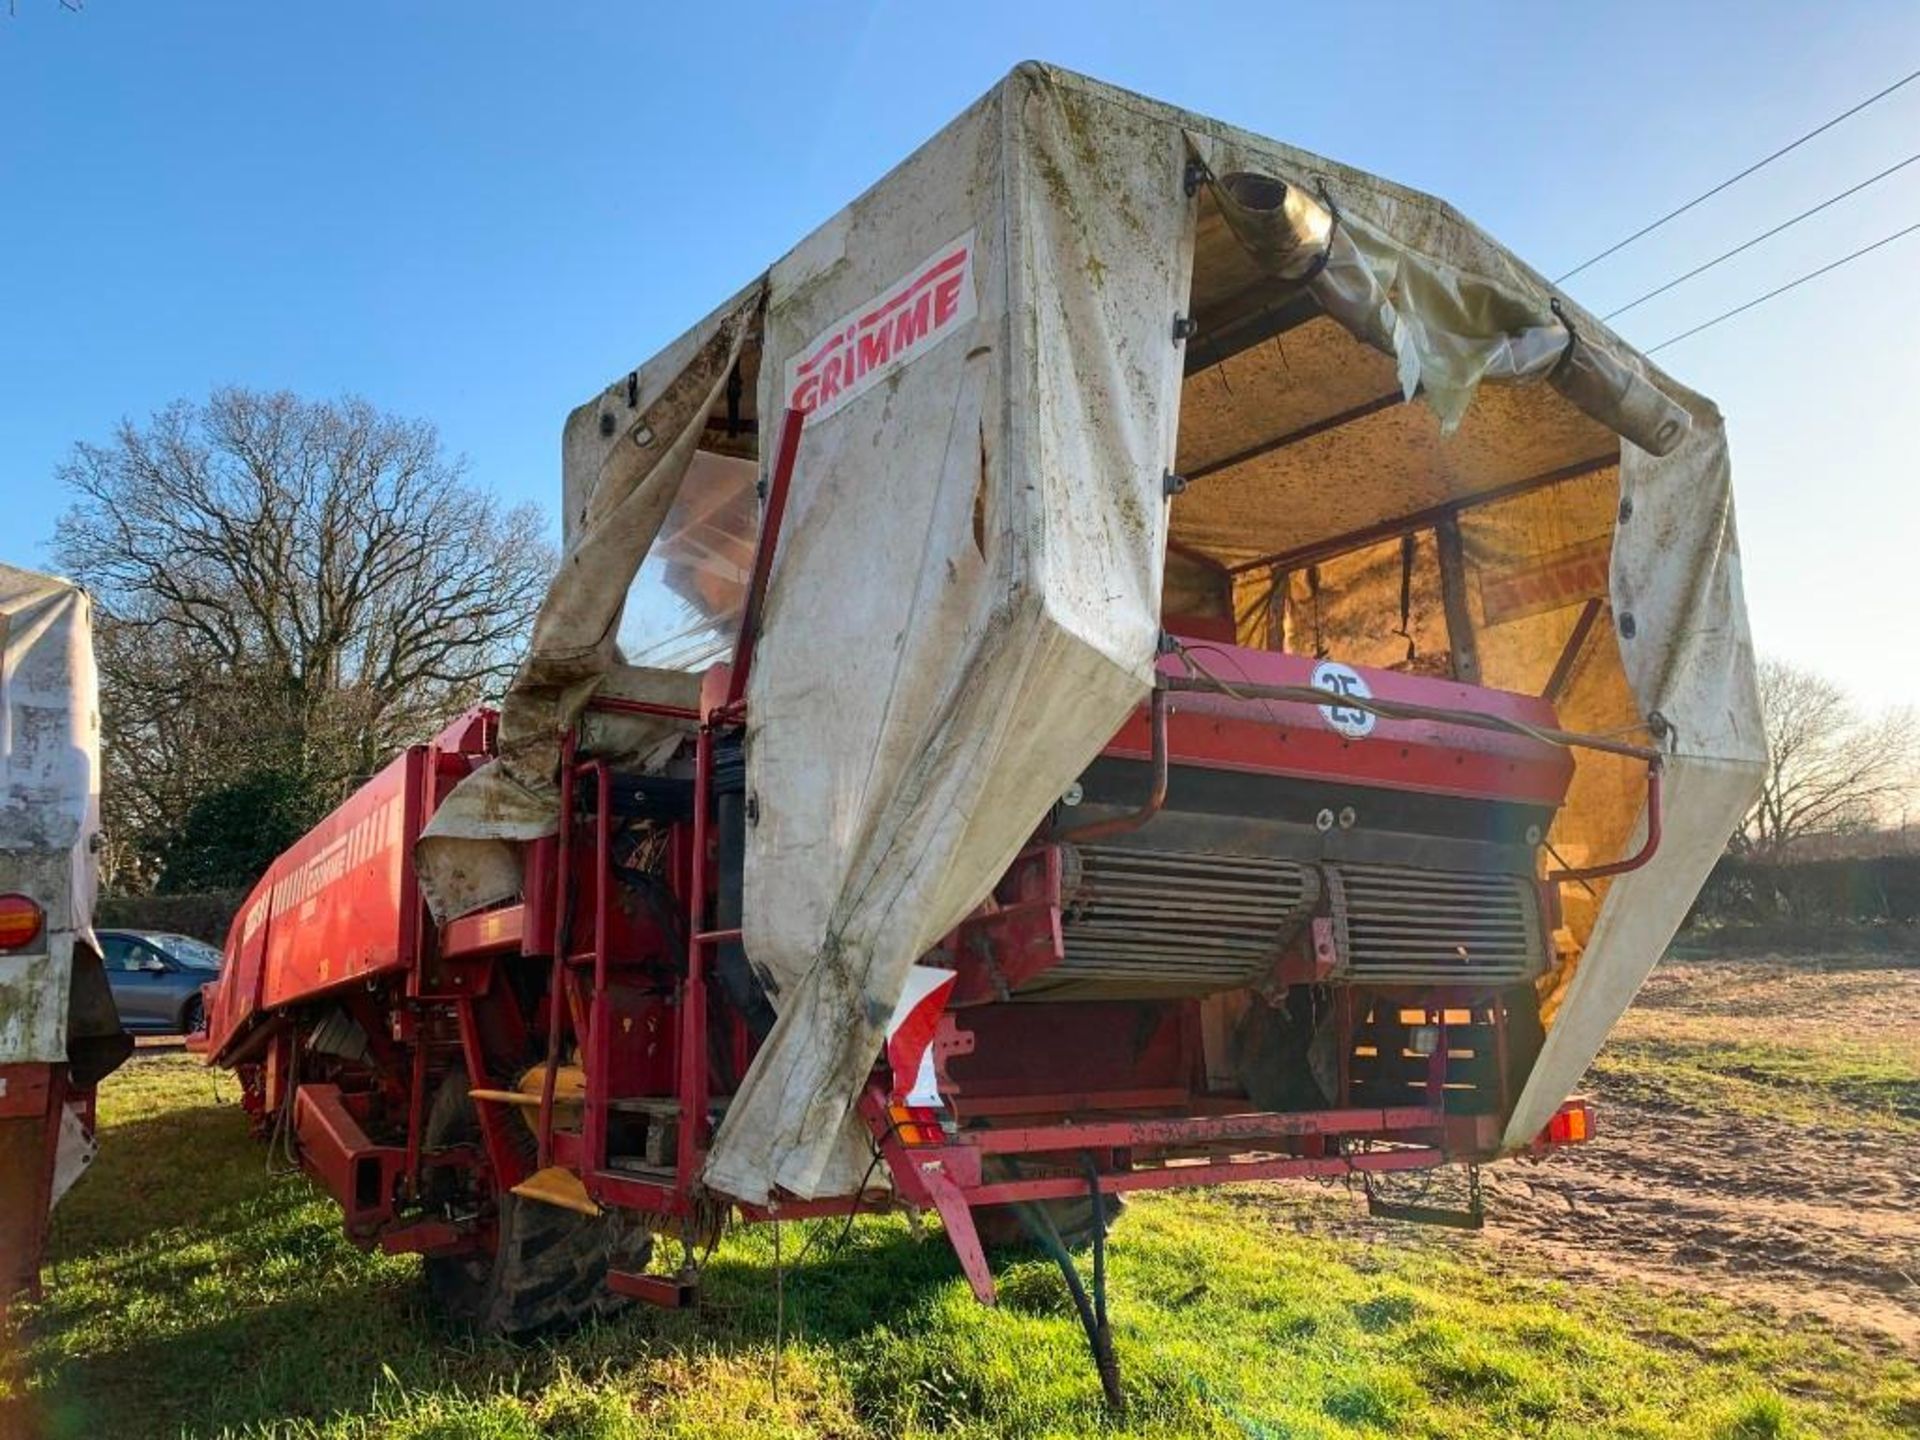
[[1633, 861], [1156, 797]]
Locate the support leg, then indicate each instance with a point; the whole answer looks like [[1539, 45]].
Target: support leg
[[957, 1216]]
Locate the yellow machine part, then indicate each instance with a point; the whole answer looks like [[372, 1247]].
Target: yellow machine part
[[556, 1184]]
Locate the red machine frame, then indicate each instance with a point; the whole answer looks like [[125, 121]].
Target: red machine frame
[[459, 1005]]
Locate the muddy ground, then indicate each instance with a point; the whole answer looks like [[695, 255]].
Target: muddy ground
[[1758, 1139]]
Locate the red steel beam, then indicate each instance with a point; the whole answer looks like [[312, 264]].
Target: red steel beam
[[359, 1174], [1171, 1177], [691, 1057], [599, 1038], [562, 941], [968, 1106], [619, 705], [490, 932], [1202, 1130]]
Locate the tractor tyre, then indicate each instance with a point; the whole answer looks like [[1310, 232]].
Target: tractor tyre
[[548, 1267]]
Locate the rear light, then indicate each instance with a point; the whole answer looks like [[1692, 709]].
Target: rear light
[[1572, 1124], [917, 1125], [21, 922]]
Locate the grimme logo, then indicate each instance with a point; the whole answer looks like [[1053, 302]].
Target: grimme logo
[[899, 325], [1349, 720], [372, 835]]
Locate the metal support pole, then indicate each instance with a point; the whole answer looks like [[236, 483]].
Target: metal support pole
[[599, 1046], [562, 927], [779, 481], [691, 1059]]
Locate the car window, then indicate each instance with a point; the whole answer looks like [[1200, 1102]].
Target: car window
[[121, 952], [192, 953]]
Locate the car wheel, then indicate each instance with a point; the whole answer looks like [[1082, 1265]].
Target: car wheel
[[193, 1017]]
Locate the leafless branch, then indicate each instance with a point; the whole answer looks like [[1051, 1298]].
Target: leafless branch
[[1829, 768], [315, 579]]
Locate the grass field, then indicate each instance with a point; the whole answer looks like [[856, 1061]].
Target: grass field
[[192, 1293]]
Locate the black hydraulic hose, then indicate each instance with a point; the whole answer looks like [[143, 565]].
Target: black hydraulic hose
[[1038, 1221], [1101, 1337]]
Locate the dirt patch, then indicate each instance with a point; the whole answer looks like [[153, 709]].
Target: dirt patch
[[1819, 1219], [1706, 1174], [1808, 1221]]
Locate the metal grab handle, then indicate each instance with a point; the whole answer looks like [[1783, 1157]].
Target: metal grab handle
[[1633, 861], [1156, 797]]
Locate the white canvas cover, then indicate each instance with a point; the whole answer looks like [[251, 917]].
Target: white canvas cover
[[49, 800], [967, 596]]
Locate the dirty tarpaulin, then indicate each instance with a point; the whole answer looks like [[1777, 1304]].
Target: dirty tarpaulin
[[49, 802], [1448, 329], [628, 474], [1000, 499]]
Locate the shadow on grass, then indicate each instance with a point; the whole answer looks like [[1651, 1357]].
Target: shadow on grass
[[161, 1171], [193, 1292]]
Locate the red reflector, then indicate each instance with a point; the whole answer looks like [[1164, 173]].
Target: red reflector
[[917, 1126], [1570, 1126], [20, 921]]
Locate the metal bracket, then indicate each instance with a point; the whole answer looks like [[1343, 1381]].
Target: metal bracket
[[1172, 484], [1185, 327], [1473, 1217], [667, 1292]]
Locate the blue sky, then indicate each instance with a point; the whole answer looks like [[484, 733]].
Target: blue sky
[[478, 212]]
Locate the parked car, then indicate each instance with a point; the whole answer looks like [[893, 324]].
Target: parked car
[[156, 979]]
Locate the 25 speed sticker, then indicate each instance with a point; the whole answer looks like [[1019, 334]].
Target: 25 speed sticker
[[1349, 720]]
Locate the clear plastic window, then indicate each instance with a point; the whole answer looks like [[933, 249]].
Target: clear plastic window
[[683, 608]]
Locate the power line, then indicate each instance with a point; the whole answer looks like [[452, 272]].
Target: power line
[[1790, 285], [1765, 235], [1724, 184]]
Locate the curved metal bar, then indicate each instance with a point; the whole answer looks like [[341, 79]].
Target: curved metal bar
[[1633, 861], [1156, 797]]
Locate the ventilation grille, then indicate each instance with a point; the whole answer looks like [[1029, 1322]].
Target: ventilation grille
[[1144, 923], [1435, 926]]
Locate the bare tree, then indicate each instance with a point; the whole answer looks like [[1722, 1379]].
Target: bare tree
[[1828, 766], [296, 586]]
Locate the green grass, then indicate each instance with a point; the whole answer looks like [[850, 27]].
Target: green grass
[[1844, 1085], [194, 1294]]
